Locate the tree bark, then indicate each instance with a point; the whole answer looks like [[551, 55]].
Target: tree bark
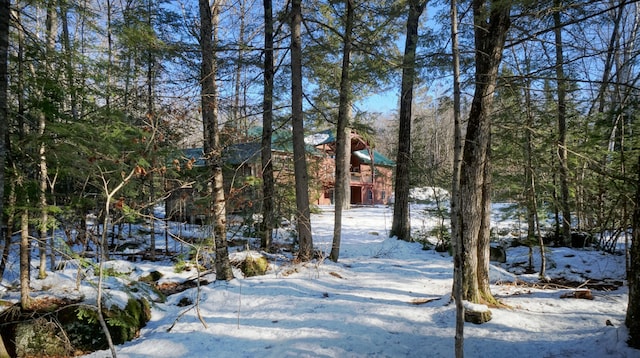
[[8, 160], [208, 23], [401, 226], [5, 11], [533, 224], [109, 75], [342, 136], [237, 113], [346, 201], [563, 168], [68, 57], [303, 214], [10, 207], [530, 198], [491, 20], [268, 186], [25, 265], [456, 241], [611, 54], [51, 31], [151, 117], [632, 319]]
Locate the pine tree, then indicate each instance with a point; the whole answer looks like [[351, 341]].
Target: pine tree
[[491, 20], [212, 149], [303, 213], [457, 242], [632, 319], [343, 135], [401, 227], [562, 128], [5, 11], [268, 186]]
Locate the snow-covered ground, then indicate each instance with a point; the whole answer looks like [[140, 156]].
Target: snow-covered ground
[[387, 298], [384, 298]]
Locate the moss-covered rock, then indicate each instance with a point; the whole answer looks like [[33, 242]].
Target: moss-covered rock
[[477, 317], [70, 329], [41, 337], [152, 277], [124, 324], [254, 265]]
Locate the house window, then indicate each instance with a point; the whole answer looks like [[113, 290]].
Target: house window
[[370, 194], [383, 195]]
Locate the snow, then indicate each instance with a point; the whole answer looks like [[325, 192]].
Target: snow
[[318, 138], [384, 298], [470, 306], [428, 193]]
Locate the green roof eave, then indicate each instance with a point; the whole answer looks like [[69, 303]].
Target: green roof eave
[[378, 158]]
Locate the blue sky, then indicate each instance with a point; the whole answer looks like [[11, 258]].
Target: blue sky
[[384, 102]]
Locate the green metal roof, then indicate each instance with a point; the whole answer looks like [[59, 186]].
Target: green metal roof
[[282, 141], [378, 159], [324, 137], [237, 154]]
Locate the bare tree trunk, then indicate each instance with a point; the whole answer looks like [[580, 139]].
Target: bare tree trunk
[[20, 73], [346, 202], [268, 185], [562, 129], [528, 169], [533, 224], [11, 215], [209, 93], [611, 51], [303, 214], [491, 20], [151, 116], [484, 236], [109, 58], [25, 265], [4, 122], [68, 54], [401, 226], [51, 30], [342, 136], [456, 230], [5, 11], [237, 115], [44, 214], [543, 255], [632, 319]]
